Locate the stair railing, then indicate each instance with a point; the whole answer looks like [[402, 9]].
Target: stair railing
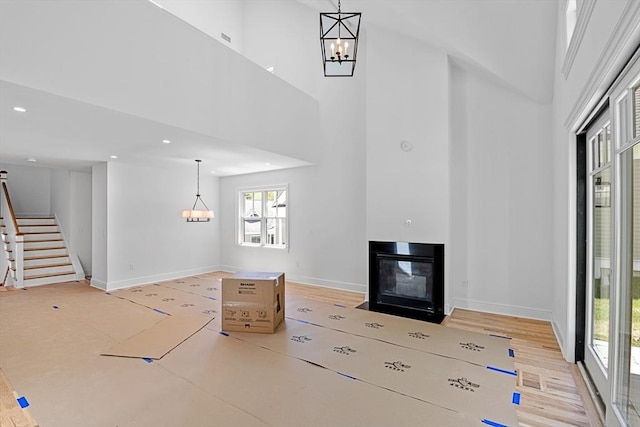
[[15, 239]]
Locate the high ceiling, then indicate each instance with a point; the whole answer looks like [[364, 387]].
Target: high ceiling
[[513, 40]]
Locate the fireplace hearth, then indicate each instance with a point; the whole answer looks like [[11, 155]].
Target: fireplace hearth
[[407, 279]]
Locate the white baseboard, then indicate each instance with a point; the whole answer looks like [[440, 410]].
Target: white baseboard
[[343, 286], [561, 342], [98, 284], [121, 284], [314, 281], [508, 310]]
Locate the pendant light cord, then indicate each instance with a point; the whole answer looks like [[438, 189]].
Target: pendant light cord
[[198, 179]]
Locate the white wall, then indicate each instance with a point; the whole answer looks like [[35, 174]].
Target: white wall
[[506, 235], [407, 103], [80, 220], [99, 225], [147, 239], [211, 17], [284, 34], [61, 199], [29, 188]]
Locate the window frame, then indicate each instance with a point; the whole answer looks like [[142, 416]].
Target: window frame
[[263, 218]]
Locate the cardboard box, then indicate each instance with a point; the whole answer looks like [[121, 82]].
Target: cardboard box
[[253, 302]]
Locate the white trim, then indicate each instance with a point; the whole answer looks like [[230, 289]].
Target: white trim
[[112, 286], [98, 284], [508, 310], [610, 58], [584, 14], [557, 331]]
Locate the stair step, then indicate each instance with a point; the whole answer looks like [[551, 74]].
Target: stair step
[[38, 275], [31, 237], [61, 250], [40, 257], [43, 266], [44, 244], [35, 229], [29, 220], [46, 260], [47, 280]]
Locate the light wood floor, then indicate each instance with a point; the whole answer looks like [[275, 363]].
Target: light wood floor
[[552, 390]]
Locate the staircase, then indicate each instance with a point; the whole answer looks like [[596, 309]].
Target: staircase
[[45, 256]]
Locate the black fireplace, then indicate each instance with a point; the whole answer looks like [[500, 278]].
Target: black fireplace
[[407, 279]]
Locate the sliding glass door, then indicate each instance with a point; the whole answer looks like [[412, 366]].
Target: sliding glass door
[[626, 383], [612, 285]]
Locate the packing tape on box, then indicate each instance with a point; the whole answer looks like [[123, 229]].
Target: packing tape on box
[[504, 371], [148, 360], [512, 353]]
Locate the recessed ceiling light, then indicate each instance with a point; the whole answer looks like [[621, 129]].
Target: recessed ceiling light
[[166, 141], [32, 160], [20, 109], [114, 157]]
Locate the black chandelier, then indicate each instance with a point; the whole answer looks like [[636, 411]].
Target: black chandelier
[[339, 34]]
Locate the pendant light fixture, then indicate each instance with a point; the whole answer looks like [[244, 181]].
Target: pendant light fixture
[[198, 215], [339, 34]]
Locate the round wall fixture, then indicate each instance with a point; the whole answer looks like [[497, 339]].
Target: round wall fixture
[[406, 145]]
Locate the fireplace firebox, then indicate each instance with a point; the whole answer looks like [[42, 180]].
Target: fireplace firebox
[[407, 279]]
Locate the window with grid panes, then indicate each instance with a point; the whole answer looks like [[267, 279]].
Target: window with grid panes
[[263, 217]]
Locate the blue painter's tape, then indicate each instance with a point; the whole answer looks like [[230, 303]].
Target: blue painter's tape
[[146, 359], [160, 311], [22, 401], [212, 298], [302, 321], [516, 398], [224, 333], [511, 353], [504, 371], [341, 306], [493, 423], [55, 307], [499, 336], [347, 376]]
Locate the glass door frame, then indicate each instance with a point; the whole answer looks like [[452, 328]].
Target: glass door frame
[[599, 373]]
